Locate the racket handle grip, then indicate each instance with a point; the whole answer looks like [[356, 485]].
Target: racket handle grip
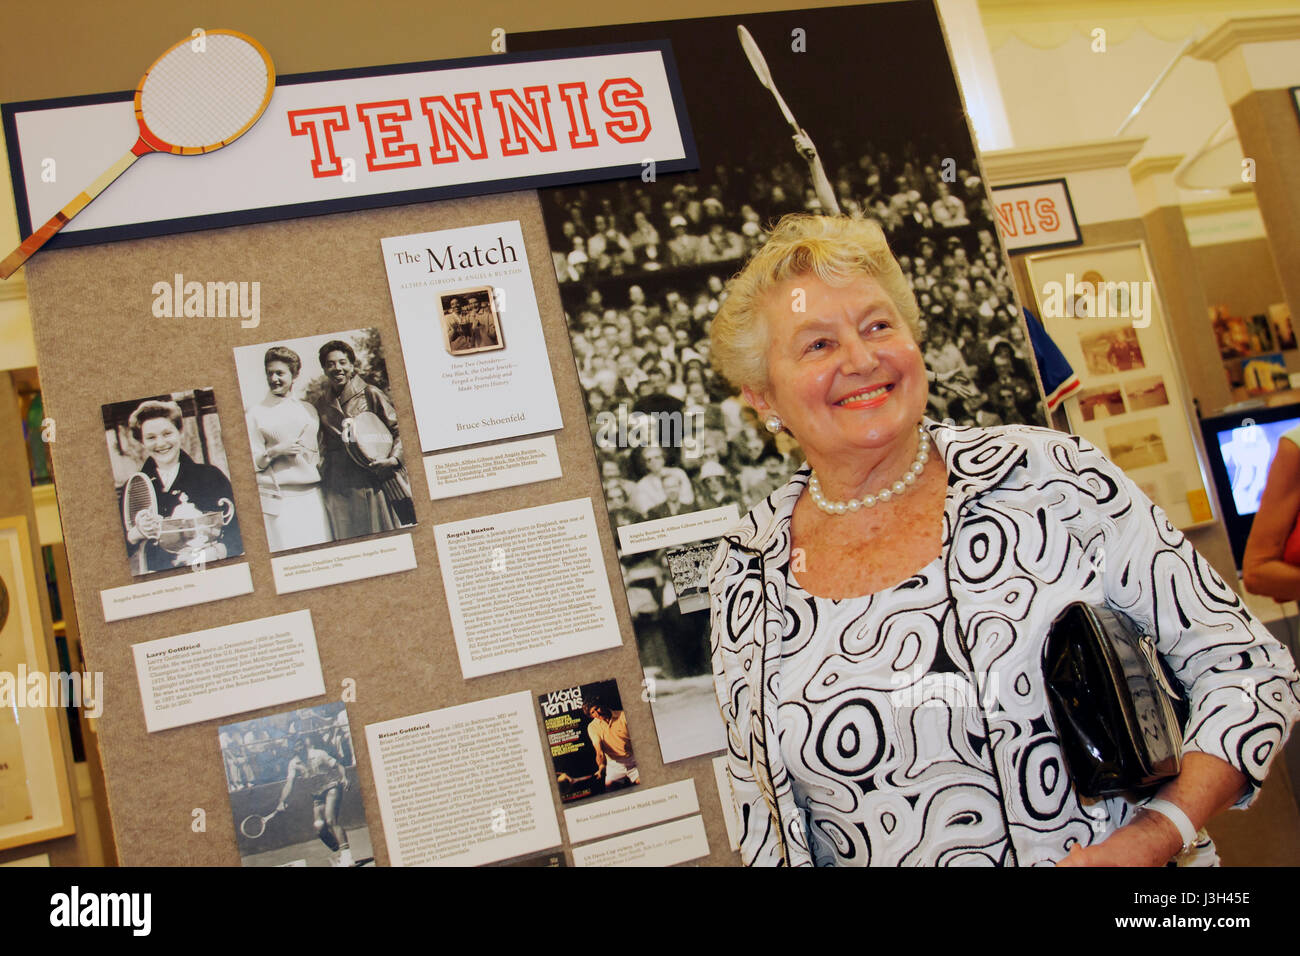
[[27, 248]]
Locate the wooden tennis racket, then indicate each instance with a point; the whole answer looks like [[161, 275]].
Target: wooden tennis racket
[[195, 98], [254, 825], [367, 438], [138, 497]]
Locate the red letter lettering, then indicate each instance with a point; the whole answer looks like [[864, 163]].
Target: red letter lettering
[[1047, 218], [630, 120], [321, 125], [575, 98], [447, 124], [527, 120], [1022, 207], [385, 153], [1006, 221]]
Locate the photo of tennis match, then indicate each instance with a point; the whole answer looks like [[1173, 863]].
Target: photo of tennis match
[[293, 786]]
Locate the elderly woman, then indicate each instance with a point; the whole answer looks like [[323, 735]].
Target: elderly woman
[[283, 431], [183, 488], [907, 557], [1265, 568]]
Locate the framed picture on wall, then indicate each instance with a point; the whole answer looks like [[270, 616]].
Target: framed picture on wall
[[35, 800], [1101, 306]]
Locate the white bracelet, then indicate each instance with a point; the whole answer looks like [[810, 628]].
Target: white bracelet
[[1175, 815]]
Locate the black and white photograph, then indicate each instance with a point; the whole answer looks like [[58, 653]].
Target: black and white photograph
[[172, 481], [688, 569], [470, 322], [643, 266], [325, 439], [1148, 392], [1111, 350], [1136, 444], [293, 785], [1106, 401]]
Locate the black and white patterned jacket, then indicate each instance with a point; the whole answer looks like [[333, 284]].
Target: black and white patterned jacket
[[1034, 520]]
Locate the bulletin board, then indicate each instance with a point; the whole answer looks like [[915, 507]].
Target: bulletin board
[[98, 341]]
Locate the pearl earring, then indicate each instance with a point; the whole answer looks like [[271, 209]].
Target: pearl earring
[[774, 423]]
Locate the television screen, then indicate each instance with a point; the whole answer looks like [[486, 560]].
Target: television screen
[[1241, 446], [1247, 452]]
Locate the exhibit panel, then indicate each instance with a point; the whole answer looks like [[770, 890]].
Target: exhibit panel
[[277, 542], [391, 487]]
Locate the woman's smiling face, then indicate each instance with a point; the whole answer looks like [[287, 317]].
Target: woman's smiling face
[[279, 378], [844, 373], [161, 440], [338, 368]]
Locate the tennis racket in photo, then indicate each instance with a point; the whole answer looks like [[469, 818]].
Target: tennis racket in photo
[[367, 438], [759, 63], [254, 825], [196, 97], [137, 497]]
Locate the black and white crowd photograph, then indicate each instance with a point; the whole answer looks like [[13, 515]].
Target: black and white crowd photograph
[[643, 268]]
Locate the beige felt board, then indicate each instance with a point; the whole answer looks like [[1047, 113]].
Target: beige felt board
[[99, 342]]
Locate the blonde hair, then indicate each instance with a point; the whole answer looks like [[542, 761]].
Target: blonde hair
[[835, 249]]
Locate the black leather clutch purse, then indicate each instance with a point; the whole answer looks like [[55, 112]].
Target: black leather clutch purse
[[1117, 712]]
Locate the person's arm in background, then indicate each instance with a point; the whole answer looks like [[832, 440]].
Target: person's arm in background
[[803, 144], [598, 746], [1241, 684], [1263, 570], [288, 784]]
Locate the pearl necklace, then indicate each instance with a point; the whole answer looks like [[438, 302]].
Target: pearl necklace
[[884, 494]]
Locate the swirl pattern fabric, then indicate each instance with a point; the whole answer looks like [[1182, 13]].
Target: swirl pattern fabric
[[1034, 520]]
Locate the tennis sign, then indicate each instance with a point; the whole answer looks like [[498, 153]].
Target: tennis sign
[[360, 139]]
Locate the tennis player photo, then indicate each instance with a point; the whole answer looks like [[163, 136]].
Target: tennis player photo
[[172, 481], [292, 780], [324, 437], [470, 322]]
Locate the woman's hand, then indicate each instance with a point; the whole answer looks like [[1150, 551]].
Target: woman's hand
[[384, 468], [147, 525], [289, 449], [1149, 840], [803, 145]]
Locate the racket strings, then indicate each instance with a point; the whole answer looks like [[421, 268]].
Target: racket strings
[[195, 99], [139, 497]]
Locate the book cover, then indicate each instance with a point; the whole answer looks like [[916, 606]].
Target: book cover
[[471, 335]]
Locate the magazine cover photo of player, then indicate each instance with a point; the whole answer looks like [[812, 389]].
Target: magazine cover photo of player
[[292, 780], [851, 110], [590, 744]]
